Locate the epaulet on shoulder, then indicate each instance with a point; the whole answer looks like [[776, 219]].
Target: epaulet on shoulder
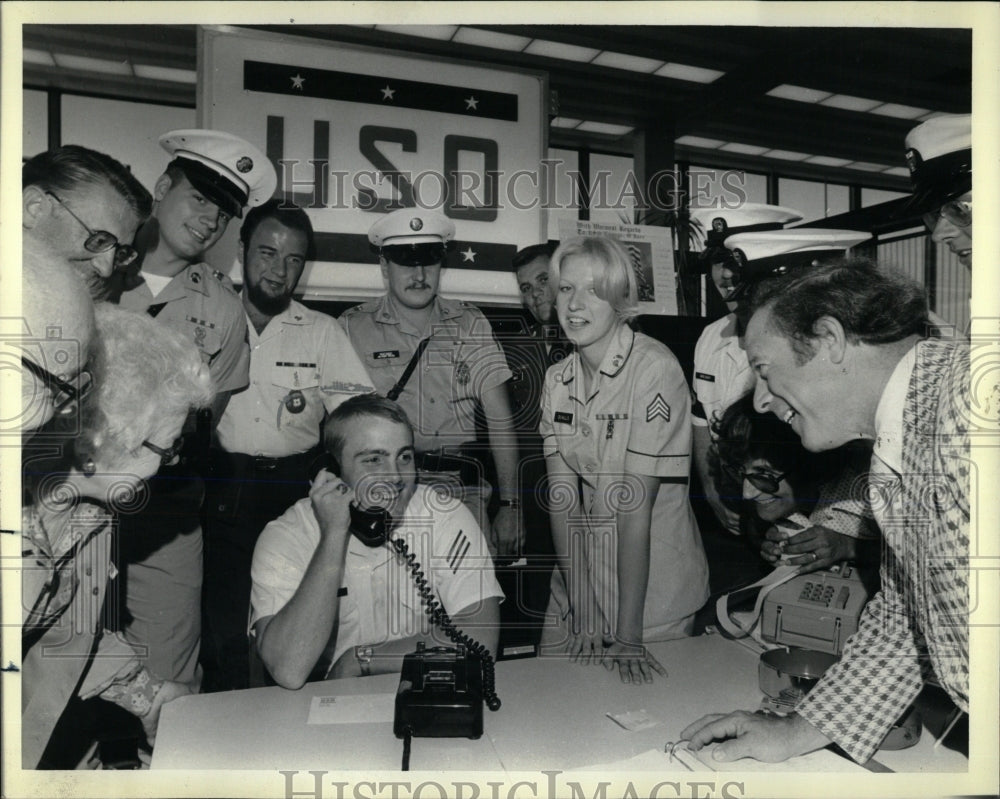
[[224, 279], [365, 307]]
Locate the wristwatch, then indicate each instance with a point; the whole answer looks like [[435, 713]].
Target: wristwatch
[[363, 654]]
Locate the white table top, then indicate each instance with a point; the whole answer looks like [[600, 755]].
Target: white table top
[[554, 715]]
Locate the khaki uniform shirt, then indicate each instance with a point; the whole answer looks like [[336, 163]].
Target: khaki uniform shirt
[[201, 303], [636, 420], [461, 363]]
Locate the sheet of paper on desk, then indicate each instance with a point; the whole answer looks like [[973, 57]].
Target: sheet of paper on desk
[[361, 709]]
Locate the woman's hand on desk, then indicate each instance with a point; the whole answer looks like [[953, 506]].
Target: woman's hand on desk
[[762, 736], [636, 664]]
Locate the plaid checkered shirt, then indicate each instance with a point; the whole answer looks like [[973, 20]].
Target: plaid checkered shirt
[[917, 625]]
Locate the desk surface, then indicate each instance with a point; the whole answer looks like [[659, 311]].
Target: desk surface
[[554, 715]]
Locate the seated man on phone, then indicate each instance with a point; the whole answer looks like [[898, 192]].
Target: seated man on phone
[[332, 597]]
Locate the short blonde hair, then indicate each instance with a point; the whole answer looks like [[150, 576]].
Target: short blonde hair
[[146, 379], [616, 282]]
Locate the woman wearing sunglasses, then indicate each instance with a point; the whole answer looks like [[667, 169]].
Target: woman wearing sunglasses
[[616, 431], [802, 508], [145, 380]]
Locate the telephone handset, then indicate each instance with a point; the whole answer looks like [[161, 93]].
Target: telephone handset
[[371, 526]]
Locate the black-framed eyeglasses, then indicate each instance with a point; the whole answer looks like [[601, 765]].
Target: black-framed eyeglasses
[[958, 212], [65, 395], [168, 457], [99, 241], [767, 482]]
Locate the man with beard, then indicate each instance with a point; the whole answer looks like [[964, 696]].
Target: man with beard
[[330, 599], [302, 366]]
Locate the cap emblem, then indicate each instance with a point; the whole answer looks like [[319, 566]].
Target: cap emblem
[[740, 257], [912, 160], [416, 224], [244, 165]]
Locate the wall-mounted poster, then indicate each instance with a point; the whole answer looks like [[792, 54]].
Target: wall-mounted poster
[[355, 132], [652, 252]]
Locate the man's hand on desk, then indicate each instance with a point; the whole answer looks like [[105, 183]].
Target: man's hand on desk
[[762, 736], [636, 664]]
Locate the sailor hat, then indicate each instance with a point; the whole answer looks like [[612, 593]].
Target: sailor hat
[[939, 157], [763, 254], [228, 170]]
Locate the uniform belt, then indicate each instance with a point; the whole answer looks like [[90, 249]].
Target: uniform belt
[[237, 463]]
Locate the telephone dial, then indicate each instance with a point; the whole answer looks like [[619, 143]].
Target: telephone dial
[[441, 689]]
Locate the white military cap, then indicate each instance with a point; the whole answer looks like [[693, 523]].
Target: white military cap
[[772, 253], [228, 170], [939, 157], [716, 224], [411, 226]]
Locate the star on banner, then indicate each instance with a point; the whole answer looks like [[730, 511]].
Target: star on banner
[[658, 407], [387, 93], [297, 81], [471, 104], [468, 255]]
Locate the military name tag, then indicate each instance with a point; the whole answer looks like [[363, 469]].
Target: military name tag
[[703, 376], [563, 417], [383, 355]]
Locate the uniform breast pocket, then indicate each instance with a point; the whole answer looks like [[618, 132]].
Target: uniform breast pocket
[[208, 340], [298, 395]]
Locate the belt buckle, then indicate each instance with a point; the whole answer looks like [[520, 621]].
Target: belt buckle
[[264, 464]]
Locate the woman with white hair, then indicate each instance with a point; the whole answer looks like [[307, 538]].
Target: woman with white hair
[[146, 380], [616, 429]]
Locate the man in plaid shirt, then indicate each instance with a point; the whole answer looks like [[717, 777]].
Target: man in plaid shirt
[[840, 354]]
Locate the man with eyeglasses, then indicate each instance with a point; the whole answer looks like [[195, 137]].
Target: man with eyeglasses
[[54, 342], [439, 359], [82, 208], [213, 176], [302, 366], [939, 156]]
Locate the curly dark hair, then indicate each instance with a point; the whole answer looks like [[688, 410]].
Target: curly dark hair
[[873, 304]]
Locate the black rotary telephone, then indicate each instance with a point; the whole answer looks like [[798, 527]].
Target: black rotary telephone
[[441, 689]]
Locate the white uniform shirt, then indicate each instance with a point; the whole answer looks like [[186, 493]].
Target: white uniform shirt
[[636, 420], [379, 601], [301, 365], [722, 373]]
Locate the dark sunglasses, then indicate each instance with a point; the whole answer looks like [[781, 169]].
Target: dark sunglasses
[[99, 241], [168, 457], [957, 212], [65, 395], [429, 254], [764, 481]]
